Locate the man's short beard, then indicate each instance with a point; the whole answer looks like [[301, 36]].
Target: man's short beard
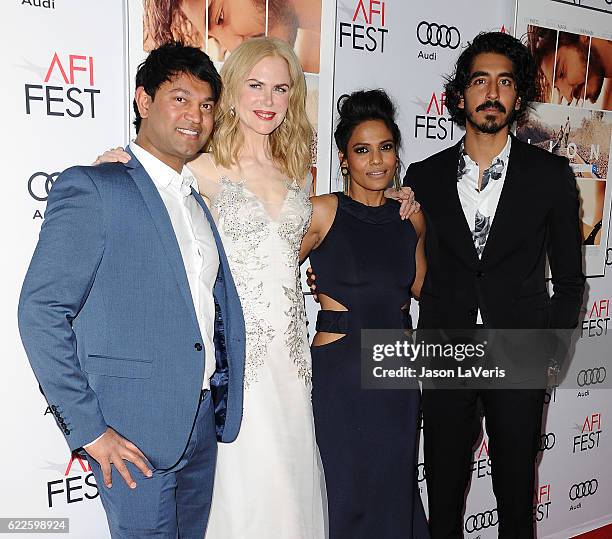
[[491, 125]]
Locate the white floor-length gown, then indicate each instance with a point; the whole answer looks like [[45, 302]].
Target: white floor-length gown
[[269, 483]]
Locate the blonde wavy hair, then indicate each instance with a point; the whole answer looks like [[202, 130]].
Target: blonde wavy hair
[[290, 142]]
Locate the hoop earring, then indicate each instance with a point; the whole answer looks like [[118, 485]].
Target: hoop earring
[[346, 179]]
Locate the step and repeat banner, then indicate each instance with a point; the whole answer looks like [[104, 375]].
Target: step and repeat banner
[[63, 88], [68, 84]]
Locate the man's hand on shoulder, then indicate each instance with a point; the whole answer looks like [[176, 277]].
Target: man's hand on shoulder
[[113, 449]]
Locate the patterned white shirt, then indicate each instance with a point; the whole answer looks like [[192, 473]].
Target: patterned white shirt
[[479, 205]]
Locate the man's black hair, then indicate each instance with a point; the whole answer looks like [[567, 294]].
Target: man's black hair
[[523, 69], [170, 60]]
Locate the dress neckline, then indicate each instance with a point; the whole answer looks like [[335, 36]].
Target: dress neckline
[[376, 215]]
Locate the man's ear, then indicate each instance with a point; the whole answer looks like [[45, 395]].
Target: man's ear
[[517, 105], [143, 101]]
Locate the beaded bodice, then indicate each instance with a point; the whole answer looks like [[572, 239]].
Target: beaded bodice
[[263, 253]]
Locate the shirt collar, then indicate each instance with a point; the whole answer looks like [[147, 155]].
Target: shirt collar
[[163, 176], [466, 161]]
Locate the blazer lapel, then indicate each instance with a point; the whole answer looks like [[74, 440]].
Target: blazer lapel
[[456, 229], [163, 224], [504, 223]]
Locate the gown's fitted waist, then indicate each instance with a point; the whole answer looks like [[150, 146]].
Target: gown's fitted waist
[[333, 321], [341, 321]]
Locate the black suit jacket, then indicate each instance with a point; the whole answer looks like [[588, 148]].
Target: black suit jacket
[[537, 215]]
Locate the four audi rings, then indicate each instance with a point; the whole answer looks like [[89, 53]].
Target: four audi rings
[[438, 35], [587, 377]]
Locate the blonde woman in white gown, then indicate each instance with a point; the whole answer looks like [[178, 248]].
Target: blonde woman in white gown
[[269, 482]]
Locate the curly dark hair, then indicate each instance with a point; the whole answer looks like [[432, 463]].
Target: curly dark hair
[[524, 70], [361, 106], [170, 60]]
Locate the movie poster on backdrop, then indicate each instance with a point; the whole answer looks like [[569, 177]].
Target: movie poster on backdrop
[[572, 115], [63, 89]]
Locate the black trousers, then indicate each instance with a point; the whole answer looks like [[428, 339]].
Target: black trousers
[[451, 427]]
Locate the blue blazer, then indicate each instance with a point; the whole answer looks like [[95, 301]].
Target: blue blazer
[[108, 322]]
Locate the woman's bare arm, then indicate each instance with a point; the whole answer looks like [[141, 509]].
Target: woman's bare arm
[[323, 214]]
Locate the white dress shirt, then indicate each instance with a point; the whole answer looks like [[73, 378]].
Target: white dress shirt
[[479, 205], [196, 243]]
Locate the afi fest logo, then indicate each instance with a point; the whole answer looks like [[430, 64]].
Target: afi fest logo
[[77, 484], [481, 465], [435, 35], [434, 124], [541, 503], [366, 31], [590, 434], [595, 323], [75, 98]]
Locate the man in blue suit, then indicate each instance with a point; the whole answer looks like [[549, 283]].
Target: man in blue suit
[[129, 314]]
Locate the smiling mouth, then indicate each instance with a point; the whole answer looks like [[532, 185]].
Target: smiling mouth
[[188, 132], [265, 114], [377, 173]]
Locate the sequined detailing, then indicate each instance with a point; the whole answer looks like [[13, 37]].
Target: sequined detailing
[[294, 338], [263, 254]]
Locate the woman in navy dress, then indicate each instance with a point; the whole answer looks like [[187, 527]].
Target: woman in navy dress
[[368, 263]]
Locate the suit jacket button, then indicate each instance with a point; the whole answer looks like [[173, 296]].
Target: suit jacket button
[[479, 274], [67, 431], [198, 346]]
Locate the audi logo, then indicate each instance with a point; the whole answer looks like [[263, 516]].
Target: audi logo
[[39, 185], [481, 521], [587, 377], [438, 35], [582, 490], [547, 441]]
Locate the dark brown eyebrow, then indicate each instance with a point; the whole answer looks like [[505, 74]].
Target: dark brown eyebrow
[[477, 74], [370, 144], [187, 92]]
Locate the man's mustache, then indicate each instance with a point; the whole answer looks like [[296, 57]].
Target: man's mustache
[[491, 104]]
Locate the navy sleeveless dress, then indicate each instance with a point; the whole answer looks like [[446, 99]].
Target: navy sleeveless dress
[[367, 438]]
